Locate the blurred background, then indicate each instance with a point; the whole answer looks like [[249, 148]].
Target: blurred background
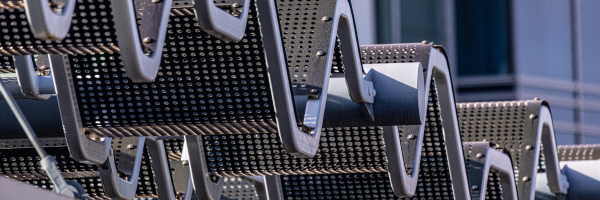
[[506, 50]]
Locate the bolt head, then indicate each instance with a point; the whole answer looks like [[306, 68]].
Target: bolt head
[[529, 147], [147, 40], [411, 136], [131, 146], [532, 116], [185, 162], [474, 187], [526, 179], [326, 18], [479, 155], [321, 53], [313, 91], [156, 1], [425, 42]]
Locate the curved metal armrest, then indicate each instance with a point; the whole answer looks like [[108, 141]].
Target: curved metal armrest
[[83, 149], [205, 187], [483, 160], [116, 187], [139, 66], [219, 23], [46, 24], [168, 184], [557, 181]]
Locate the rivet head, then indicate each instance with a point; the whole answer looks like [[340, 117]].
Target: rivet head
[[411, 136], [326, 18], [156, 1], [529, 147], [526, 179], [235, 5], [474, 187], [313, 91], [536, 98], [425, 42], [479, 155], [532, 116], [185, 162], [131, 146], [321, 53], [147, 40]]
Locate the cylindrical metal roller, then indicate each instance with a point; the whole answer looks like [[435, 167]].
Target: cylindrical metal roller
[[399, 100], [44, 117]]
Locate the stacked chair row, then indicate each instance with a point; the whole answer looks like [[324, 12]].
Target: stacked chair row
[[273, 99]]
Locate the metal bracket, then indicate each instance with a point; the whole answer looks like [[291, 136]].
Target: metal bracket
[[116, 187], [140, 67], [219, 23], [205, 186], [83, 149], [403, 184], [483, 160], [45, 23]]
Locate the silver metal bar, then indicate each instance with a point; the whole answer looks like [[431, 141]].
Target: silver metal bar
[[83, 149], [403, 184], [488, 160], [206, 188], [45, 23], [557, 181], [139, 66], [160, 168], [116, 187], [219, 23]]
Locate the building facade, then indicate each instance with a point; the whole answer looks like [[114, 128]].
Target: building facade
[[506, 50]]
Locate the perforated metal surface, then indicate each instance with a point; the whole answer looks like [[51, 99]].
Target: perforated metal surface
[[509, 124], [357, 149], [92, 30], [24, 164], [204, 86], [7, 65], [434, 178], [578, 152], [304, 34], [237, 188], [475, 173]]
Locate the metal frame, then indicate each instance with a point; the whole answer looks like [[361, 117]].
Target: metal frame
[[193, 151], [486, 160], [260, 185], [219, 23], [162, 171], [139, 66], [116, 187], [438, 69], [83, 149], [557, 181], [46, 24], [404, 185], [295, 141], [27, 84]]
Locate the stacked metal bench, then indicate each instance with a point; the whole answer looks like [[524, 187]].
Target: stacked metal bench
[[280, 89]]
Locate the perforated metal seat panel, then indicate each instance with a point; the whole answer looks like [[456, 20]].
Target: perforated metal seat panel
[[237, 188], [510, 124], [578, 152], [92, 30], [6, 65], [204, 87], [434, 178]]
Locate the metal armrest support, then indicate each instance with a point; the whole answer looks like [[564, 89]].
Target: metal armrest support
[[557, 181], [403, 184], [116, 187], [45, 23], [140, 66], [484, 159], [83, 149], [219, 23], [28, 84], [205, 187]]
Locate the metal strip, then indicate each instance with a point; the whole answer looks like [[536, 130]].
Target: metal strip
[[482, 159], [45, 22]]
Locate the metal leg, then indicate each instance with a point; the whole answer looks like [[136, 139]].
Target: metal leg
[[45, 23], [114, 186], [219, 23], [484, 159], [207, 188]]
